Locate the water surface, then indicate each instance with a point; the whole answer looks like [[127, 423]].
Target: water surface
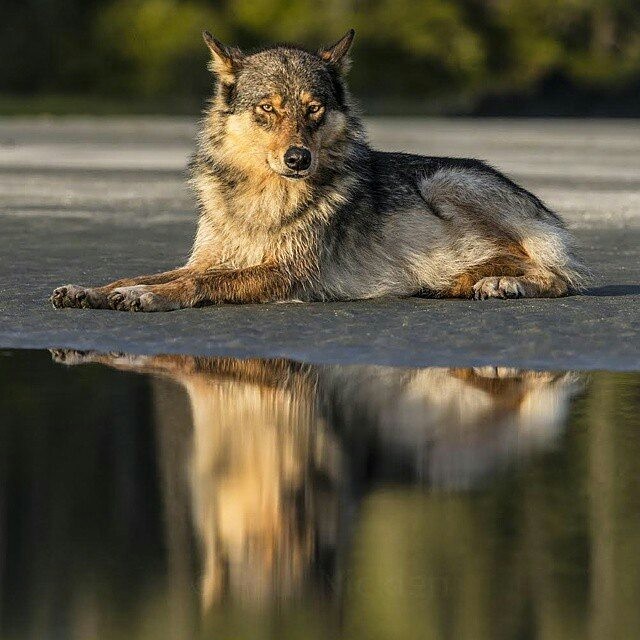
[[181, 497]]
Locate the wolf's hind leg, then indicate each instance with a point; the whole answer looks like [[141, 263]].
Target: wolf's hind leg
[[78, 297], [509, 276]]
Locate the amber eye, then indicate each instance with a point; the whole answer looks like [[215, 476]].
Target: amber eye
[[266, 107], [314, 108]]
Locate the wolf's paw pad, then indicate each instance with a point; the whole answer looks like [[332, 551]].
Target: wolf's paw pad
[[139, 298], [496, 287]]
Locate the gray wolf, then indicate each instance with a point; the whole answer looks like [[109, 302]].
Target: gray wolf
[[295, 205]]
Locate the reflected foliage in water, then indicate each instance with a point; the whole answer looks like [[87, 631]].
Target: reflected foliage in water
[[186, 497]]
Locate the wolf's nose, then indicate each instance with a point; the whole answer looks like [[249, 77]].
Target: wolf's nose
[[297, 158]]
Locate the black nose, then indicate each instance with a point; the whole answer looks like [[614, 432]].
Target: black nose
[[297, 158]]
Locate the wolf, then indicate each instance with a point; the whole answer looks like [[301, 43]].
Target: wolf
[[295, 205]]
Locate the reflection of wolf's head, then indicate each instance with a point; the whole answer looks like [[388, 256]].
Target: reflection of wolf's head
[[281, 112], [264, 478]]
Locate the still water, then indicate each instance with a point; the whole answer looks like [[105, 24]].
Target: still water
[[176, 497]]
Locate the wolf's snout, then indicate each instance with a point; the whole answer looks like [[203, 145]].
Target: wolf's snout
[[297, 158]]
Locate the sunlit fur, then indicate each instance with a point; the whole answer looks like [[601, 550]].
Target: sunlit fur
[[356, 223], [278, 449]]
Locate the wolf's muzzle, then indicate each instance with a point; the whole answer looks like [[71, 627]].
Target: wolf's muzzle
[[297, 158]]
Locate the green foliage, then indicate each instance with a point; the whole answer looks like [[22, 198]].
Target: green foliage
[[590, 40], [147, 49], [155, 37]]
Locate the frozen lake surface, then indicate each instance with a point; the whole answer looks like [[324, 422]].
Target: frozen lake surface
[[89, 200]]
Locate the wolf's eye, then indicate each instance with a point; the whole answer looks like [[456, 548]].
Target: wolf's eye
[[266, 107], [314, 108]]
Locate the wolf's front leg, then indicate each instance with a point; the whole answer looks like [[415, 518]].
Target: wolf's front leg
[[79, 297], [167, 364], [262, 283]]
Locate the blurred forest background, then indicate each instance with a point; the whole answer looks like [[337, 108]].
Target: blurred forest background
[[489, 57]]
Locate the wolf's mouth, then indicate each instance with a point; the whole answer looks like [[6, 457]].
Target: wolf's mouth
[[296, 175]]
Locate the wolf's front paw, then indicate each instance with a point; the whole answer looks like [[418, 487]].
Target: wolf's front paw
[[498, 287], [72, 356], [70, 295], [139, 298]]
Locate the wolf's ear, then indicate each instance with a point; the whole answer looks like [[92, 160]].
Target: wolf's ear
[[225, 61], [336, 54]]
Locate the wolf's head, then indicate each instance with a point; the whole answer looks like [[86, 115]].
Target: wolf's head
[[282, 107]]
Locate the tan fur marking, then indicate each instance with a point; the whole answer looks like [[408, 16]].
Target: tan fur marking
[[262, 283], [306, 97], [277, 101], [157, 278]]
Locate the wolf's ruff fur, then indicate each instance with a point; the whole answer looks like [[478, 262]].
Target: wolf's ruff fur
[[353, 223]]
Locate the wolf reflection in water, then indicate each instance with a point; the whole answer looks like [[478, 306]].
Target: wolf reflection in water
[[280, 452]]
